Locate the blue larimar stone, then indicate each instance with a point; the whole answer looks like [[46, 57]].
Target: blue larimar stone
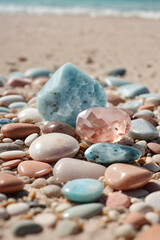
[[4, 121], [132, 90], [83, 211], [4, 109], [148, 95], [37, 72], [108, 153], [67, 93], [142, 130], [115, 82], [83, 190]]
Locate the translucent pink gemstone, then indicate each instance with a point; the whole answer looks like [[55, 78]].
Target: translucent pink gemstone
[[102, 124]]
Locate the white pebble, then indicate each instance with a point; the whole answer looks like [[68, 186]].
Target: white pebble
[[19, 142], [45, 219], [126, 230], [29, 114], [153, 199], [15, 120], [62, 207], [3, 197], [7, 140], [17, 208], [52, 191], [152, 217], [12, 154], [140, 207], [30, 139], [113, 214], [156, 158]]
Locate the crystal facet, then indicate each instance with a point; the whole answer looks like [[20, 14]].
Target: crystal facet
[[102, 124]]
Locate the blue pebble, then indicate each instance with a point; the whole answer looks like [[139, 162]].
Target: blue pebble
[[115, 82], [132, 90], [17, 105], [37, 72], [16, 74], [4, 121], [4, 109], [67, 93], [108, 153], [148, 95], [133, 106], [83, 190]]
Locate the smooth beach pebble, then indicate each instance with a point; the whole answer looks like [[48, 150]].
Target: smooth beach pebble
[[66, 227], [153, 199], [140, 207], [39, 183], [154, 147], [10, 92], [4, 109], [10, 115], [17, 105], [136, 193], [29, 114], [114, 99], [125, 230], [6, 100], [24, 227], [148, 119], [4, 147], [30, 139], [147, 107], [151, 233], [12, 154], [83, 211], [122, 176], [53, 146], [37, 72], [152, 217], [117, 199], [144, 113], [40, 81], [45, 219], [83, 190], [17, 208], [10, 183], [52, 191], [115, 81], [18, 82], [59, 127], [19, 130], [3, 213], [12, 163], [137, 219], [67, 169], [3, 197], [132, 90], [34, 169]]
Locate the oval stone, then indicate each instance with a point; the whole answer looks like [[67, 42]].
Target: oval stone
[[140, 207], [153, 199], [45, 219], [18, 82], [12, 154], [102, 124], [10, 183], [4, 147], [83, 211], [83, 190], [53, 146], [132, 90], [137, 219], [4, 121], [17, 105], [67, 169], [30, 139], [29, 114], [19, 130], [151, 233], [154, 147], [37, 72], [122, 176], [117, 199], [34, 169], [24, 227], [12, 163], [17, 208], [115, 81], [6, 100], [4, 109], [108, 153], [59, 127]]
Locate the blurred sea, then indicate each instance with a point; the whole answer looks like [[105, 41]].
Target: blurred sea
[[127, 8]]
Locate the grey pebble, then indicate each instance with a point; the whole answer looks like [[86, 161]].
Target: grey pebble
[[17, 208], [24, 227], [66, 227], [152, 217], [3, 213], [3, 197], [4, 147], [52, 191]]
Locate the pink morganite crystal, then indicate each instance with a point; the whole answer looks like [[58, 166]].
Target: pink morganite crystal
[[102, 124]]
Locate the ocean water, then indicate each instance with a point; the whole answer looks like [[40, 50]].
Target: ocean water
[[126, 8]]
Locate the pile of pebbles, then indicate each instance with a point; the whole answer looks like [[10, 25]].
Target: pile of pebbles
[[52, 180]]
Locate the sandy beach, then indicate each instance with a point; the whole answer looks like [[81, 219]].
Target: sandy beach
[[93, 44]]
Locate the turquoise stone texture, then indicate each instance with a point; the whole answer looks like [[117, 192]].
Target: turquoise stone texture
[[67, 93], [83, 190], [83, 211], [16, 75], [115, 82], [108, 153], [4, 121], [132, 90], [37, 72], [4, 109], [17, 105], [142, 130]]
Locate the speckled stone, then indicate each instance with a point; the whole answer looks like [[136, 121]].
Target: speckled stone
[[83, 211], [83, 190], [63, 102], [24, 227]]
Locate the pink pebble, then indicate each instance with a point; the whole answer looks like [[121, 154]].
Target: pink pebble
[[10, 92], [12, 163], [18, 82], [118, 199], [136, 218]]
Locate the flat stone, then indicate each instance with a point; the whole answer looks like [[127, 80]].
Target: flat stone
[[3, 197], [153, 200], [17, 105], [142, 130], [19, 130], [24, 227], [53, 146], [121, 176], [17, 208], [52, 191], [132, 90], [147, 107], [4, 109], [137, 219], [29, 115], [108, 153], [153, 167], [18, 82], [151, 233], [140, 207], [6, 100], [10, 92], [37, 72], [144, 112], [117, 199], [67, 169], [67, 93], [83, 211], [66, 227], [154, 147], [33, 169], [132, 106], [12, 154], [83, 190], [10, 183], [102, 124], [30, 139], [153, 100], [152, 217], [12, 163], [115, 82], [59, 127], [4, 121], [45, 219], [4, 147]]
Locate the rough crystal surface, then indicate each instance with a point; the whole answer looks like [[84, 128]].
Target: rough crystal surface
[[102, 124], [67, 93]]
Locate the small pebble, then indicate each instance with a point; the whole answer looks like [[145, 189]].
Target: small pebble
[[66, 227], [29, 115], [10, 183], [117, 199], [153, 167], [7, 140], [52, 191], [39, 183], [152, 217], [137, 193], [3, 197], [3, 213], [12, 163], [154, 147], [45, 219], [30, 139], [125, 230], [19, 142], [153, 199], [17, 208], [12, 154], [24, 227], [141, 207], [136, 218]]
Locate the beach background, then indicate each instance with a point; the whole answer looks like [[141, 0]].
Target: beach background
[[95, 35]]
